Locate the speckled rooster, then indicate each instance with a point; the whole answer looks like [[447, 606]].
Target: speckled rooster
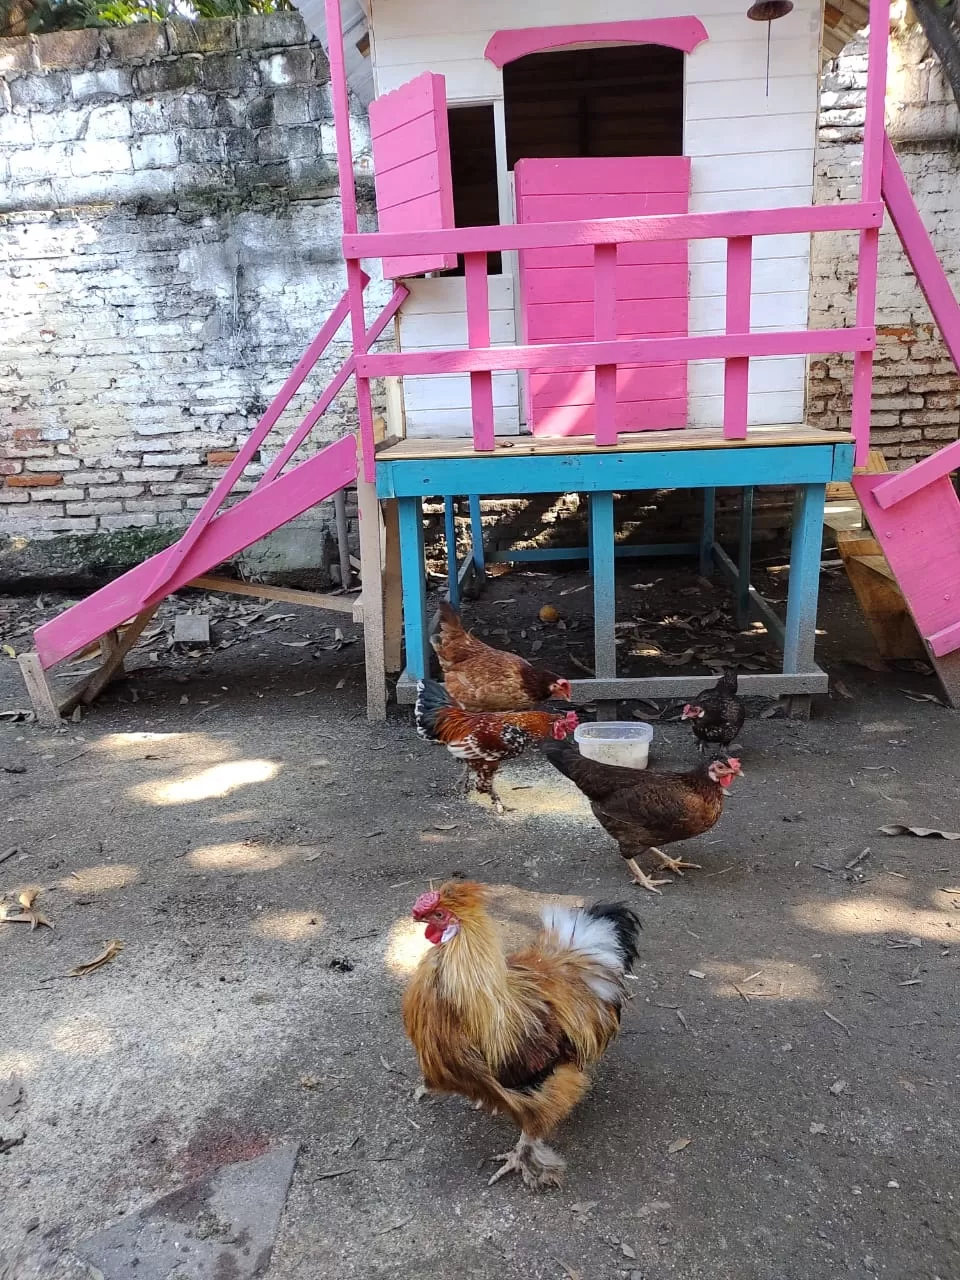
[[483, 738]]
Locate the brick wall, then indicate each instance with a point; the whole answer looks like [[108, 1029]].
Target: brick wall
[[169, 244], [916, 399]]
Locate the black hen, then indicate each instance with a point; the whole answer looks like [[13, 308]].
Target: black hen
[[717, 714]]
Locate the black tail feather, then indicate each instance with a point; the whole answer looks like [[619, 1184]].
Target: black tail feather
[[431, 699], [627, 924]]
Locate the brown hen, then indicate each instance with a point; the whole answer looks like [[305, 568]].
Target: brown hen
[[641, 809], [481, 678]]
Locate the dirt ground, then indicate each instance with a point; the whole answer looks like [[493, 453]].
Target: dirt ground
[[256, 846]]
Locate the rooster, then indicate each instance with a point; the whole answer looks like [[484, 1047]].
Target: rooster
[[483, 738], [641, 809], [516, 1033], [484, 679], [718, 714]]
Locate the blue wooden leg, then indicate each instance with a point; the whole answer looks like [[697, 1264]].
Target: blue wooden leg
[[476, 534], [414, 587], [805, 551], [450, 534], [707, 531], [744, 555], [589, 502], [604, 585]]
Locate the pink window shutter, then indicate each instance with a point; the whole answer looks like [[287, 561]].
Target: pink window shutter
[[557, 288], [411, 159]]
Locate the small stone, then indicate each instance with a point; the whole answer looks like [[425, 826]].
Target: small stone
[[31, 1224], [893, 1184]]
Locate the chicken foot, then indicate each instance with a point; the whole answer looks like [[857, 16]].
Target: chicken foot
[[485, 787], [539, 1165], [640, 877], [673, 864]]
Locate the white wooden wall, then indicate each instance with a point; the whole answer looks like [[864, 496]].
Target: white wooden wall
[[749, 150]]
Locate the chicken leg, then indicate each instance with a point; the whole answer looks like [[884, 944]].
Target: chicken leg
[[673, 864], [539, 1165], [640, 876]]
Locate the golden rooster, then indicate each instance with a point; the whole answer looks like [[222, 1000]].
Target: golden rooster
[[516, 1033]]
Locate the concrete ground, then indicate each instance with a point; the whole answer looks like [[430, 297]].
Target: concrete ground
[[256, 846]]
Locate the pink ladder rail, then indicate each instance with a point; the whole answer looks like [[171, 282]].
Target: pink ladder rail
[[248, 520], [245, 456]]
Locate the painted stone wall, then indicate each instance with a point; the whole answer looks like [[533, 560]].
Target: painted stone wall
[[169, 245]]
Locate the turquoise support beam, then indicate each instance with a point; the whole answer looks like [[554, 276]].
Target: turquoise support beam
[[414, 587], [805, 549], [604, 585], [450, 536], [708, 531], [476, 533], [744, 555]]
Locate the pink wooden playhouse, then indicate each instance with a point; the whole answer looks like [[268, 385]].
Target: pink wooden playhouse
[[598, 227]]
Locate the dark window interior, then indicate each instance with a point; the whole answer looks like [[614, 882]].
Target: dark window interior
[[614, 101], [473, 161]]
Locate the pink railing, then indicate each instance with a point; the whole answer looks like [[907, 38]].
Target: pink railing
[[736, 346], [181, 549]]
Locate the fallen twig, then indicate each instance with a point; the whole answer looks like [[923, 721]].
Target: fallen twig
[[828, 1014]]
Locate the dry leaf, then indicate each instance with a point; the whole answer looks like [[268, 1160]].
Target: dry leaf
[[110, 952], [920, 697], [584, 1206], [9, 650], [818, 1128], [444, 826], [678, 1144], [899, 829], [696, 973], [627, 1251], [838, 1087], [841, 688], [677, 659], [295, 644]]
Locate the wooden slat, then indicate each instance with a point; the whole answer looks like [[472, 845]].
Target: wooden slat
[[694, 438], [263, 591], [478, 330], [38, 689], [736, 377]]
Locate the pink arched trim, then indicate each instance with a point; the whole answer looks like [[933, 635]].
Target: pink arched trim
[[675, 33]]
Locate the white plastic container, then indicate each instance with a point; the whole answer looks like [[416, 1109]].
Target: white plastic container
[[621, 742]]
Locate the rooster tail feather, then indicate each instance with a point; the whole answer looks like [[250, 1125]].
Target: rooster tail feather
[[626, 925], [608, 934], [432, 698]]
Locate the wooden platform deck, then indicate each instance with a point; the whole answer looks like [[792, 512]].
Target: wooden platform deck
[[413, 449]]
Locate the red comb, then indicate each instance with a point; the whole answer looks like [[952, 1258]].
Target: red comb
[[425, 904]]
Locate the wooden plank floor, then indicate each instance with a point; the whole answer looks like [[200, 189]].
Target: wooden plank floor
[[394, 450]]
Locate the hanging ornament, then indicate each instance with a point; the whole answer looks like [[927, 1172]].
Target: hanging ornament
[[768, 11]]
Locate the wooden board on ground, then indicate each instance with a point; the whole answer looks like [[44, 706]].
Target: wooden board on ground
[[879, 597]]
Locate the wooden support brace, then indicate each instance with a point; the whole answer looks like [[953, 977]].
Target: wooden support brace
[[38, 687], [392, 589], [90, 688], [371, 573]]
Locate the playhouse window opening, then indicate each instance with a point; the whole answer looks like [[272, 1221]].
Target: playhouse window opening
[[611, 101], [473, 165]]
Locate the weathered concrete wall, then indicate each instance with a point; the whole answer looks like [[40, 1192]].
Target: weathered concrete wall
[[169, 244], [916, 400]]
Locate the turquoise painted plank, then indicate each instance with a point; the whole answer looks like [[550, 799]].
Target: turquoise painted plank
[[608, 472], [805, 549], [450, 536], [476, 533], [604, 586], [414, 587], [744, 555], [708, 530], [843, 462], [581, 553]]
